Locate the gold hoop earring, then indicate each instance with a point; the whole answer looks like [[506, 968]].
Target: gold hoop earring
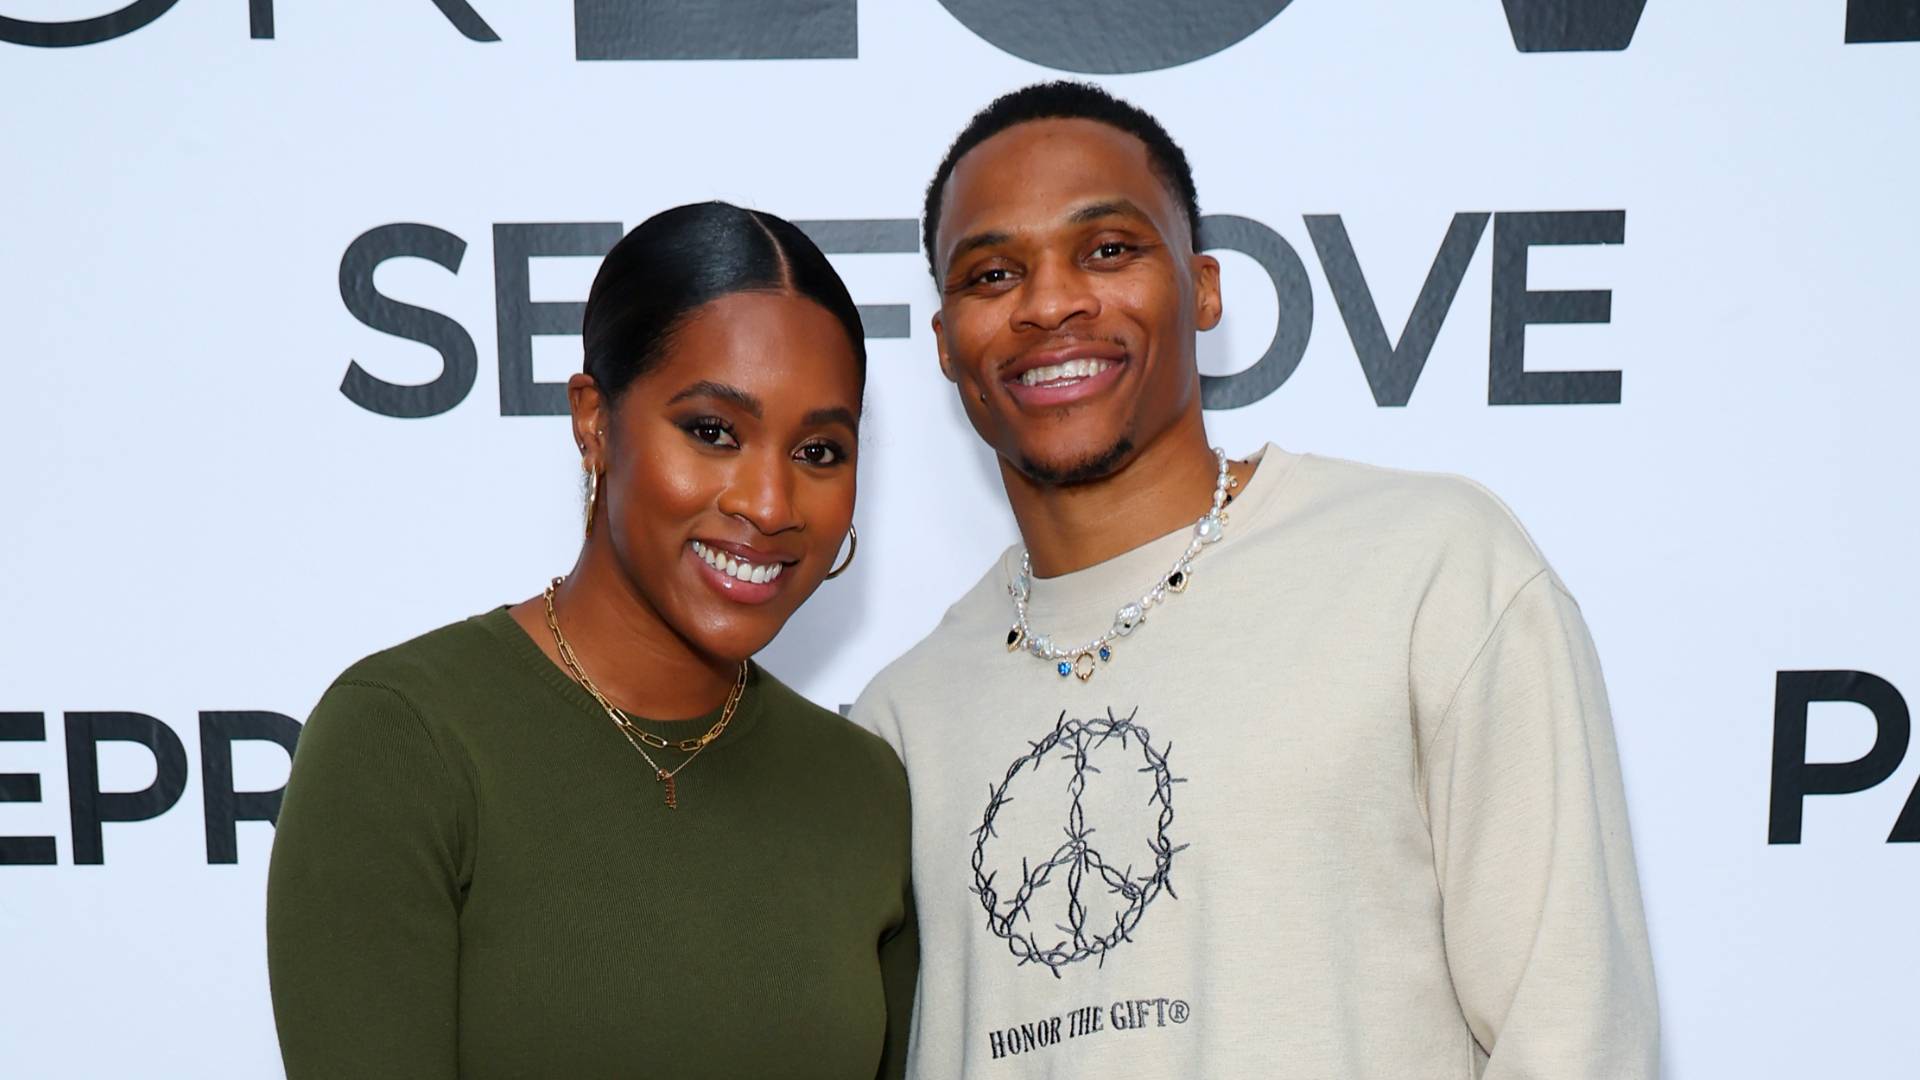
[[853, 545], [593, 492]]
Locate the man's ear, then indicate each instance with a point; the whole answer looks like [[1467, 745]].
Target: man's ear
[[1206, 288], [940, 345]]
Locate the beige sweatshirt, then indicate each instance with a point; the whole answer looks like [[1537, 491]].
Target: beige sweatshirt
[[1346, 807]]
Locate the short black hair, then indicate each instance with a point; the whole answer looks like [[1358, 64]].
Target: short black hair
[[680, 259], [1064, 100]]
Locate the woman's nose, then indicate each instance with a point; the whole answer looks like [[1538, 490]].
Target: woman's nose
[[760, 491]]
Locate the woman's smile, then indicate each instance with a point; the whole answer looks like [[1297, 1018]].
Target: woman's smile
[[737, 573]]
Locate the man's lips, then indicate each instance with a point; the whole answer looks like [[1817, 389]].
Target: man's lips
[[1049, 378], [1083, 379], [1111, 352]]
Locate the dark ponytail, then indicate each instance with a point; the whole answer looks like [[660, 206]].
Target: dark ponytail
[[680, 259]]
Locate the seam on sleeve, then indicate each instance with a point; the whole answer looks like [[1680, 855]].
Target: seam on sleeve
[[439, 757], [1446, 715], [1512, 518]]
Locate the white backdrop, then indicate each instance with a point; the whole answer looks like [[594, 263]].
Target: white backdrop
[[195, 518]]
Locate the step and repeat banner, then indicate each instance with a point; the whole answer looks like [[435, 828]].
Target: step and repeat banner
[[287, 292]]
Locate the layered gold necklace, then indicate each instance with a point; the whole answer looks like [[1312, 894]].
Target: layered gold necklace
[[643, 739]]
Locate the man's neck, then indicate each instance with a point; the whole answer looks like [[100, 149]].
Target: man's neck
[[1168, 483]]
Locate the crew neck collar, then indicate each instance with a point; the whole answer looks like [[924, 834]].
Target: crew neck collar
[[508, 631], [1061, 605]]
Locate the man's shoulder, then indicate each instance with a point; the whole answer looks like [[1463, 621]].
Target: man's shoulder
[[928, 665], [1424, 514]]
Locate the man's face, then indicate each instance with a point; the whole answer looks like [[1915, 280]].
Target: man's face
[[1070, 298]]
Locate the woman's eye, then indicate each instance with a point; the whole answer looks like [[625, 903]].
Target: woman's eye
[[820, 454], [712, 432]]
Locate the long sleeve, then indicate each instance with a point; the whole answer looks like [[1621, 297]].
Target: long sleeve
[[900, 974], [1545, 935], [363, 896]]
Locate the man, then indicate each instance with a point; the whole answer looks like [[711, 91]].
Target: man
[[1282, 767]]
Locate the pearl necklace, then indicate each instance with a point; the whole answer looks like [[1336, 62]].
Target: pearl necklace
[[1080, 661]]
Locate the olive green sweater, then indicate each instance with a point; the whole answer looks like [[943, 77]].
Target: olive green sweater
[[475, 875]]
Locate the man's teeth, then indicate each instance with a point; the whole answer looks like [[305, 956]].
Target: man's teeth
[[1072, 369], [734, 567]]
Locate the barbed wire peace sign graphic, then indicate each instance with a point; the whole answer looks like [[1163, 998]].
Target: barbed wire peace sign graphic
[[1076, 869]]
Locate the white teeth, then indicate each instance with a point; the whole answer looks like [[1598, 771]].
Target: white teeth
[[736, 569], [1072, 369]]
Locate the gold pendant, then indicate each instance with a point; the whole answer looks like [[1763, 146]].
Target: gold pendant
[[673, 796], [1083, 666], [1016, 637]]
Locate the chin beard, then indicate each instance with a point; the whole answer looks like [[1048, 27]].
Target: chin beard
[[1086, 470]]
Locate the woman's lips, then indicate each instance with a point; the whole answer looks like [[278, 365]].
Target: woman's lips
[[735, 578]]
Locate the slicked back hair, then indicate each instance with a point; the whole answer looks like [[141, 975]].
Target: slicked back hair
[[1064, 100], [680, 259]]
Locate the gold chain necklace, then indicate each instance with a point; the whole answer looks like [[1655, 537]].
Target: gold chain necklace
[[643, 739]]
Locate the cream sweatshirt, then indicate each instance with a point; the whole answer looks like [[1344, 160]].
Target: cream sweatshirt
[[1346, 807]]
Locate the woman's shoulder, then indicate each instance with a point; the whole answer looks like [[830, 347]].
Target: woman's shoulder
[[454, 659], [826, 730]]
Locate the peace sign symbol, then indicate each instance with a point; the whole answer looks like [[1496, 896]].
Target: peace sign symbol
[[1088, 873]]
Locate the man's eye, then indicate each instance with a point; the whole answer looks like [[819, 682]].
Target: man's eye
[[1112, 249], [990, 277]]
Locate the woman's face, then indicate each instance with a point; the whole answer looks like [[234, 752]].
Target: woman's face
[[729, 468]]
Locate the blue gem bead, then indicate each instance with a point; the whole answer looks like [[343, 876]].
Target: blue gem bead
[[1065, 669], [1106, 653]]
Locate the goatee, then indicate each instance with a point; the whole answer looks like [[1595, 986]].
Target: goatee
[[1086, 470]]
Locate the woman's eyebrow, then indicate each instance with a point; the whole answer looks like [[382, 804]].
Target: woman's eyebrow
[[710, 389], [837, 414]]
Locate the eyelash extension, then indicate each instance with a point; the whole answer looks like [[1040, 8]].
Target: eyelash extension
[[839, 452], [694, 426]]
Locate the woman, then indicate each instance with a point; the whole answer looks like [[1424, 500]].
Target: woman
[[498, 857]]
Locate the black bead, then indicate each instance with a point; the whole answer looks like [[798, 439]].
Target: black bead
[[1174, 579]]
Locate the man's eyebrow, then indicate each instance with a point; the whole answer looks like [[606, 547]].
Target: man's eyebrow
[[970, 244], [836, 414], [1107, 208], [1089, 212], [710, 389]]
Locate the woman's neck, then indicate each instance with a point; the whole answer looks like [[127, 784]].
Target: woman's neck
[[623, 645]]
